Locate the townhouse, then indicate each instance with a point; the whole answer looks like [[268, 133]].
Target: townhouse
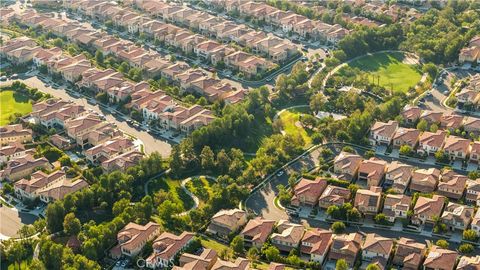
[[287, 236], [398, 176], [409, 254], [186, 119], [109, 149], [15, 133], [376, 248], [368, 201], [451, 122], [239, 264], [307, 192], [439, 258], [471, 125], [396, 206], [452, 185], [457, 216], [347, 247], [425, 180], [430, 143], [257, 231], [10, 151], [315, 244], [166, 247], [372, 171], [382, 133], [122, 162], [133, 237], [427, 209], [346, 165], [333, 195], [432, 117], [204, 260], [411, 114], [23, 166], [81, 128], [472, 191], [456, 147], [151, 104], [54, 113], [466, 262], [475, 152], [406, 136], [475, 224], [471, 52], [48, 187], [225, 222]]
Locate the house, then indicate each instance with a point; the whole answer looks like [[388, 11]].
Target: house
[[109, 149], [11, 151], [239, 264], [376, 246], [475, 224], [471, 125], [451, 122], [276, 266], [473, 190], [166, 247], [475, 152], [406, 136], [133, 237], [204, 260], [367, 201], [316, 244], [432, 117], [22, 167], [467, 97], [468, 263], [396, 206], [426, 209], [15, 133], [372, 171], [346, 165], [452, 185], [80, 127], [347, 247], [382, 133], [398, 176], [257, 231], [456, 147], [457, 216], [333, 195], [430, 143], [122, 162], [425, 180], [440, 259], [225, 222], [288, 235], [307, 192], [409, 254]]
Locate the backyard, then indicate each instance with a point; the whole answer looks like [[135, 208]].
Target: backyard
[[11, 103], [390, 70], [290, 120]]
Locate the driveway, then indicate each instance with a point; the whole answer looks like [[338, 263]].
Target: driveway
[[151, 144]]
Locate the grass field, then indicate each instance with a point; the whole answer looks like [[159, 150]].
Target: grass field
[[172, 186], [13, 102], [289, 118], [391, 69]]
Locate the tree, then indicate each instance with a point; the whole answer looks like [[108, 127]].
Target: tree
[[406, 150], [272, 253], [71, 224], [470, 235], [58, 42], [442, 243], [441, 156], [341, 265], [466, 248], [99, 57], [433, 128], [338, 227], [422, 125], [317, 102], [369, 154], [55, 214], [223, 161], [430, 69], [373, 267], [237, 244], [207, 158], [381, 219]]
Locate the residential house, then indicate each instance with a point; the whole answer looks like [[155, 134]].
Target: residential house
[[432, 117], [347, 247], [11, 151], [122, 162], [315, 244], [78, 127], [15, 133], [451, 122], [456, 147], [166, 247], [225, 222], [372, 171], [427, 209], [452, 185], [440, 259], [26, 188], [409, 254], [257, 231], [473, 191], [239, 264], [396, 206], [22, 167], [346, 165], [204, 260], [406, 136], [382, 133], [307, 192], [109, 149], [288, 235], [367, 201], [475, 224], [333, 195], [467, 97], [468, 263], [457, 216], [133, 237], [425, 180], [375, 247], [430, 142], [471, 125], [398, 176]]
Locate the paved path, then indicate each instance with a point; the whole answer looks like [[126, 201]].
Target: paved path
[[195, 199], [151, 143]]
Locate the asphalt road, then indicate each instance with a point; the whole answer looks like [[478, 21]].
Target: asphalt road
[[11, 221], [151, 144]]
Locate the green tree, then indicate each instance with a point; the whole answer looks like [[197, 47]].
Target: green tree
[[442, 243], [470, 235], [71, 224], [381, 219], [338, 227], [237, 244], [99, 57], [422, 125], [341, 265], [406, 150], [373, 267], [207, 158], [55, 214], [465, 248], [272, 253]]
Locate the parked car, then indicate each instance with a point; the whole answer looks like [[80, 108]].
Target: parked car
[[280, 173], [3, 78], [14, 76]]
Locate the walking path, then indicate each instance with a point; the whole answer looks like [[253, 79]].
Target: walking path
[[195, 199]]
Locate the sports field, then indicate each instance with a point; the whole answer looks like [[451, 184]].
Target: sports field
[[390, 70], [12, 102]]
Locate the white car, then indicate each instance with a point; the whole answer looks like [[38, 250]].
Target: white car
[[280, 173]]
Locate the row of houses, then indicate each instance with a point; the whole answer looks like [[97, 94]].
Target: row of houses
[[151, 62], [174, 36], [471, 52], [469, 96], [322, 245], [428, 143], [287, 21], [274, 48]]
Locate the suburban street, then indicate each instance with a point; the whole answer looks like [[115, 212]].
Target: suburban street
[[151, 144]]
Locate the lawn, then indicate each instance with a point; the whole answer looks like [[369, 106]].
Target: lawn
[[290, 120], [391, 69], [12, 102], [212, 244], [172, 186]]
